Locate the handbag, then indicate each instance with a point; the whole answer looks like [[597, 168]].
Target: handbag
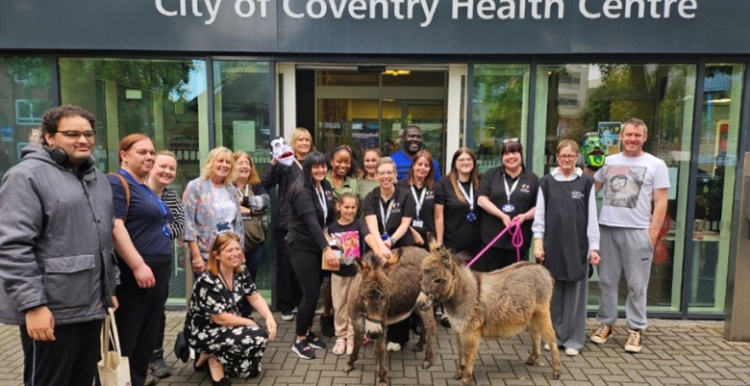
[[114, 369], [255, 235]]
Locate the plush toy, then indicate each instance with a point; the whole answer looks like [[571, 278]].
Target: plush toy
[[281, 151]]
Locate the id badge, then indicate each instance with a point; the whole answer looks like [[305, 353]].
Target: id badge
[[385, 236], [508, 208], [417, 223], [471, 217], [222, 226]]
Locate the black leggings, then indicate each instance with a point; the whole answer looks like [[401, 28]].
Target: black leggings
[[306, 266]]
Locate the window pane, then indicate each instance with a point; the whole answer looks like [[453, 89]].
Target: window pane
[[499, 110], [717, 163], [26, 92], [347, 78], [164, 99], [590, 101], [241, 98]]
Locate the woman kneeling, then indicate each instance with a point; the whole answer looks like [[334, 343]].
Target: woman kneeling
[[231, 345]]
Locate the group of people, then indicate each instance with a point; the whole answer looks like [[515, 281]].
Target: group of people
[[77, 242]]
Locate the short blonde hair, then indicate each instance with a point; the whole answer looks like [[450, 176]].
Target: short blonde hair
[[573, 145], [298, 133], [167, 153], [385, 161], [214, 156], [221, 242]]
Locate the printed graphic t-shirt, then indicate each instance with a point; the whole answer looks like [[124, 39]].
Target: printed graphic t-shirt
[[351, 240], [628, 187]]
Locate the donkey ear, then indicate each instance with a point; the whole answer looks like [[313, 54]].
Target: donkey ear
[[445, 256], [362, 265], [432, 242]]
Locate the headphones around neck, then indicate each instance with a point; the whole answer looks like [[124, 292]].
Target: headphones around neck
[[61, 158]]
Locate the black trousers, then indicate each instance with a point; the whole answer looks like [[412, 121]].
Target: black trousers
[[497, 258], [159, 346], [69, 360], [139, 317], [288, 291], [306, 265]]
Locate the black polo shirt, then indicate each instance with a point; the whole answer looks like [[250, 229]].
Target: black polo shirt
[[459, 233], [400, 207], [427, 212], [522, 199], [305, 203]]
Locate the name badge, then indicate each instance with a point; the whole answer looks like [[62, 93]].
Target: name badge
[[471, 217], [222, 226], [417, 223], [385, 236], [508, 208]]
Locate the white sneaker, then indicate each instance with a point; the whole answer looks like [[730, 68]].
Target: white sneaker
[[571, 352], [393, 347], [546, 347]]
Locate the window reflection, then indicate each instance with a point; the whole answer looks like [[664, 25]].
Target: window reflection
[[587, 103]]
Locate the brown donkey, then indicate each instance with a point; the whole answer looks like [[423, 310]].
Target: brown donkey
[[491, 305], [386, 294]]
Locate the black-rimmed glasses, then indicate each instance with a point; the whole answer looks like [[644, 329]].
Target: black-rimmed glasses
[[74, 134]]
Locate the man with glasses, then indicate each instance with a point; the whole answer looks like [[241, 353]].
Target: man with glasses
[[411, 140], [632, 180], [56, 265]]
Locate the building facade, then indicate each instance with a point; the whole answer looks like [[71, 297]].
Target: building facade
[[198, 74]]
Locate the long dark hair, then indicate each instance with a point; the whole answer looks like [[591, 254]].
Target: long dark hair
[[453, 174], [354, 170], [513, 146], [305, 179]]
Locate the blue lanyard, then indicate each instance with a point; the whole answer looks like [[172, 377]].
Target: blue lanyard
[[150, 193]]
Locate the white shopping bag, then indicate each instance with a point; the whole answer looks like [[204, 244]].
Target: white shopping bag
[[114, 369]]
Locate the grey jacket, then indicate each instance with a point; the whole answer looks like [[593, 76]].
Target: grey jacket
[[55, 241]]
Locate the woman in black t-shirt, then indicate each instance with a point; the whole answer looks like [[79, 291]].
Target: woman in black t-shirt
[[420, 183], [505, 193], [312, 210], [389, 213], [457, 215]]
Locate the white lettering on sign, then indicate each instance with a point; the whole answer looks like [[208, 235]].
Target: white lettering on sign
[[425, 11], [508, 9], [657, 9]]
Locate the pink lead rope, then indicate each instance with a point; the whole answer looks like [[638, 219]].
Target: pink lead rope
[[516, 238]]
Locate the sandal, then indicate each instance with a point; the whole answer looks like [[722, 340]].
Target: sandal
[[340, 347]]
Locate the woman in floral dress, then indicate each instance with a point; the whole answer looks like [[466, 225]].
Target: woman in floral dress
[[231, 345]]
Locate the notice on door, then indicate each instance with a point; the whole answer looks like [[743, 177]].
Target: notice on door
[[244, 135]]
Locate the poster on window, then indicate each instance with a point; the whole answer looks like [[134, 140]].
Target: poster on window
[[609, 133]]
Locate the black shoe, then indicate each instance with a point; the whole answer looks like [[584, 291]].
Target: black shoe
[[314, 341], [445, 322], [287, 315], [326, 326], [202, 368], [303, 349], [224, 381], [417, 326]]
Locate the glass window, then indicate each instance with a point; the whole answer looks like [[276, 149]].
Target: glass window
[[346, 78], [717, 163], [241, 98], [588, 103], [26, 92], [500, 108], [164, 99]]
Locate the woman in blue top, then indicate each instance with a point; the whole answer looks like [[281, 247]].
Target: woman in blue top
[[143, 242]]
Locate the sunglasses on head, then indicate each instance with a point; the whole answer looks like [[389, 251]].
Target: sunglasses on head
[[510, 140]]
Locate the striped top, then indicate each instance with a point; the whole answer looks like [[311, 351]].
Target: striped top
[[174, 203]]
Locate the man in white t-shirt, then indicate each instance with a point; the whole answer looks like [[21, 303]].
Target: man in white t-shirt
[[632, 180]]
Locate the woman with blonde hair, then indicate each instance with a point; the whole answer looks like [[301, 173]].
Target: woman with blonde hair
[[212, 206], [229, 344], [287, 289]]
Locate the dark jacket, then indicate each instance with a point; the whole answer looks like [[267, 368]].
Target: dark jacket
[[55, 241], [284, 177]]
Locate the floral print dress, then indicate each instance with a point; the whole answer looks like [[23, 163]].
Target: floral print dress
[[238, 349]]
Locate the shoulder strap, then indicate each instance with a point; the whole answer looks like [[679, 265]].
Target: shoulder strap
[[127, 193]]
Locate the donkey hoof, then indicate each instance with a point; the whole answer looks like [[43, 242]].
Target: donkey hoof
[[458, 376], [465, 381], [530, 362], [383, 382], [556, 375], [348, 367], [426, 365], [417, 348]]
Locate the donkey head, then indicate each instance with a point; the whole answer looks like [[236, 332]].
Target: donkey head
[[438, 270], [373, 292]]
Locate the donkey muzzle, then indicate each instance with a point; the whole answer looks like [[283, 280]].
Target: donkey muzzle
[[424, 301], [374, 328]]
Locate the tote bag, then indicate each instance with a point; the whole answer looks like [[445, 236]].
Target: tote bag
[[114, 369]]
